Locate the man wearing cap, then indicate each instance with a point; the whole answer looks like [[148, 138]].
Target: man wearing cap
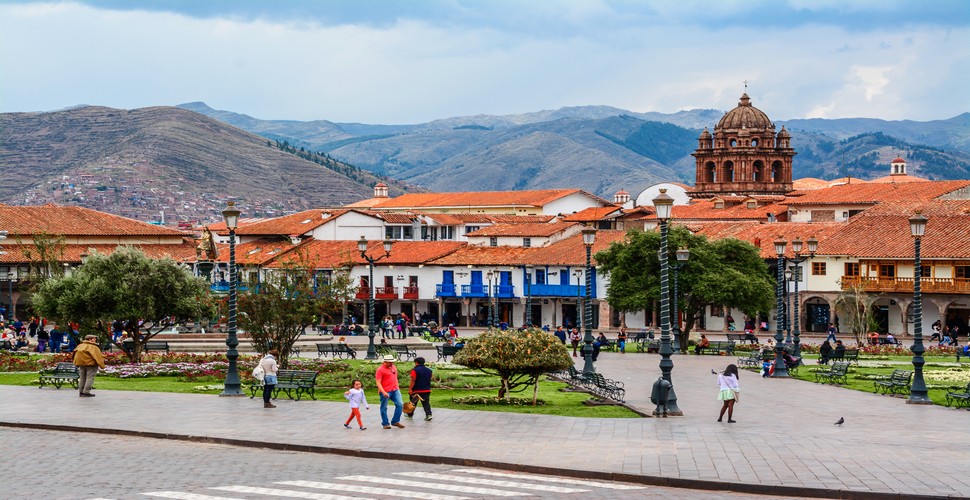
[[87, 358], [387, 385]]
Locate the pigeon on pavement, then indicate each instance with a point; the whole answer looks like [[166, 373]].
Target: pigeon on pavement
[[713, 372], [840, 422]]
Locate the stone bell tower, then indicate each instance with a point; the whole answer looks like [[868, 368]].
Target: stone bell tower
[[744, 156]]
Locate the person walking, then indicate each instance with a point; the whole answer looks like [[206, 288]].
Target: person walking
[[57, 338], [621, 340], [270, 368], [87, 358], [356, 397], [43, 338], [574, 338], [387, 385], [729, 389], [420, 388]]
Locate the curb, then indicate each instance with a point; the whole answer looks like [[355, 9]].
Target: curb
[[670, 482]]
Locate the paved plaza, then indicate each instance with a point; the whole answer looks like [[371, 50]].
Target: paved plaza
[[784, 443]]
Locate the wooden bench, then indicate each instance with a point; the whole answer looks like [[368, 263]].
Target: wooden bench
[[155, 345], [63, 373], [446, 350], [848, 355], [742, 337], [336, 350], [403, 352], [717, 347], [960, 398], [836, 374], [295, 382], [897, 383]]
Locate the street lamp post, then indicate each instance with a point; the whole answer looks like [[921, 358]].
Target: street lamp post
[[232, 386], [788, 277], [589, 237], [664, 205], [781, 370], [528, 296], [918, 393], [371, 325], [488, 293], [797, 273], [10, 280], [579, 301], [682, 255]]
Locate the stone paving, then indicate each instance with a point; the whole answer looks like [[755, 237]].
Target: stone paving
[[784, 442]]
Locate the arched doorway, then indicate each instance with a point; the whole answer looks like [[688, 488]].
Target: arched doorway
[[818, 314]]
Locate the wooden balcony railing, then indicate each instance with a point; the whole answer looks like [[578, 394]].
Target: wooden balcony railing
[[385, 293], [905, 285], [411, 293]]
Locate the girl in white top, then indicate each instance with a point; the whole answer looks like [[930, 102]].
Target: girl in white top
[[728, 382], [269, 380], [356, 398]]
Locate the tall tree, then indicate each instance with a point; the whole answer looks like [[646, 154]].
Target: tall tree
[[127, 286], [725, 272], [44, 257], [854, 305]]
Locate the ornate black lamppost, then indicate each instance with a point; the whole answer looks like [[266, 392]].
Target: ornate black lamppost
[[589, 237], [664, 204], [781, 370], [491, 312], [528, 295], [232, 386], [682, 255], [371, 325], [918, 393], [797, 274]]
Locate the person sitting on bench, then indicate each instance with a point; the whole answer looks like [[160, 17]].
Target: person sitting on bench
[[702, 344]]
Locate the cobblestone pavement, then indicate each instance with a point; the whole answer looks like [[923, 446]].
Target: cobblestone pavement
[[784, 437], [136, 467]]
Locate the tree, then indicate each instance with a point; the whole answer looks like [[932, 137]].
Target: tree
[[44, 257], [519, 358], [127, 286], [725, 272], [854, 307]]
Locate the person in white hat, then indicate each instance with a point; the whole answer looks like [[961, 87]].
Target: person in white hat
[[387, 385]]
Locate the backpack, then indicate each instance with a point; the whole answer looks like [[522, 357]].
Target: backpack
[[259, 373]]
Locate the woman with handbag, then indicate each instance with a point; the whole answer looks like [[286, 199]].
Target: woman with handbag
[[269, 366], [729, 390]]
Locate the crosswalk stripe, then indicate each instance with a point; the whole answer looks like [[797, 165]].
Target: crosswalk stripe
[[276, 492], [489, 482], [436, 486], [372, 490], [552, 479], [179, 495]]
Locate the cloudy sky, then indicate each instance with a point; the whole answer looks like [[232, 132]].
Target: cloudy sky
[[396, 61]]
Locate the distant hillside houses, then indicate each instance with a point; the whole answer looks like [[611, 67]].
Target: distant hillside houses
[[455, 252]]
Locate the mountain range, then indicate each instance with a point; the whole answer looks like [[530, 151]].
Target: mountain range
[[186, 161]]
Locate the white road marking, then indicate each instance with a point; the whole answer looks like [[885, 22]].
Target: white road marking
[[276, 492], [178, 495], [551, 479], [372, 490], [435, 486], [489, 482]]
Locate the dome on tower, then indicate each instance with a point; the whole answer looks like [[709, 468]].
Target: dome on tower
[[705, 134], [784, 133], [745, 115]]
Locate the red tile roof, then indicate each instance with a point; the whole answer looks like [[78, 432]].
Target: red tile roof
[[534, 198], [703, 209], [74, 221], [330, 254], [593, 214], [256, 253], [899, 179], [568, 252], [763, 235], [291, 225], [535, 229], [183, 252], [871, 193]]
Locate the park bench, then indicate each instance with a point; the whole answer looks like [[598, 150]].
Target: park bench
[[403, 352], [446, 350], [155, 345], [295, 382], [575, 377], [654, 345], [604, 387], [717, 347], [897, 383], [848, 355], [836, 374], [753, 359], [608, 345], [336, 350], [63, 373], [418, 331], [742, 337], [960, 398], [641, 336]]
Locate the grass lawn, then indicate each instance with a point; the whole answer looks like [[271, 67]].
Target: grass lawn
[[450, 381], [941, 374]]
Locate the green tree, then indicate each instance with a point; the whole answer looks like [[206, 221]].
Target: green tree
[[127, 286], [519, 358], [725, 272], [855, 310], [44, 257]]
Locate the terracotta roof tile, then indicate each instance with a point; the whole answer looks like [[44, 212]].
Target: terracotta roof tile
[[872, 193], [534, 198], [291, 225], [259, 252], [703, 209], [534, 229], [763, 235], [331, 254], [21, 221], [593, 214], [183, 252], [568, 252]]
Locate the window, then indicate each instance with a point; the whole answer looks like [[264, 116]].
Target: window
[[926, 272], [469, 229], [851, 268], [717, 311], [962, 272], [887, 270], [526, 242], [448, 232], [818, 268], [493, 241]]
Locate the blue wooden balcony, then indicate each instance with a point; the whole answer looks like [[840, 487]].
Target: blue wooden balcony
[[223, 287], [446, 290], [479, 290], [504, 291], [547, 290]]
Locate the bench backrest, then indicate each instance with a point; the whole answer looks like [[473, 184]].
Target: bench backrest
[[840, 368], [901, 375], [65, 368], [156, 344], [296, 376]]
